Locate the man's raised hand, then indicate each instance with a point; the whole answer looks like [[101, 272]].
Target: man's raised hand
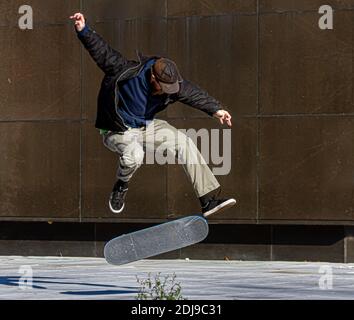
[[79, 21], [224, 116]]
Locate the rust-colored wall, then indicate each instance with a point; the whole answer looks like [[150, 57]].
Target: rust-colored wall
[[288, 84]]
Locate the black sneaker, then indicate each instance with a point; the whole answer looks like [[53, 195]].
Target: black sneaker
[[116, 201], [215, 205]]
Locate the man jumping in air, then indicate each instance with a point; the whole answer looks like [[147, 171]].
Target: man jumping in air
[[132, 93]]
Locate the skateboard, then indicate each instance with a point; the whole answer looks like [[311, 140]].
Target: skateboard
[[156, 240]]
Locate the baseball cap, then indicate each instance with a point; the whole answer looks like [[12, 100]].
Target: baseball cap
[[167, 74]]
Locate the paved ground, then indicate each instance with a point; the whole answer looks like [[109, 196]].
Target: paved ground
[[87, 278]]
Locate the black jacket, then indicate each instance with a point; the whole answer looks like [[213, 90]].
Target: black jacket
[[117, 68]]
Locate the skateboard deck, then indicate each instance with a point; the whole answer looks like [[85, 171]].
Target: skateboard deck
[[156, 240]]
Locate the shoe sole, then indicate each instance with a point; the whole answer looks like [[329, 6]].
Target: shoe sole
[[116, 211], [221, 207]]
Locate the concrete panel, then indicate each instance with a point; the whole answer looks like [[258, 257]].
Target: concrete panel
[[306, 168], [149, 36], [225, 66], [349, 244], [40, 76], [44, 231], [304, 69], [233, 242], [47, 248], [39, 170], [308, 243], [187, 8], [301, 5], [113, 9]]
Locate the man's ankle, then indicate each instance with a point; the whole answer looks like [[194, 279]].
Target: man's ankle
[[204, 200], [121, 185]]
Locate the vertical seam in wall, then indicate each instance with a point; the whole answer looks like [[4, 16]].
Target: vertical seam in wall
[[81, 124], [166, 9], [167, 168], [345, 255], [95, 239], [258, 119], [271, 242], [352, 59]]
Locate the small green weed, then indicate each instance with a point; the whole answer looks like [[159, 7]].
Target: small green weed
[[159, 288]]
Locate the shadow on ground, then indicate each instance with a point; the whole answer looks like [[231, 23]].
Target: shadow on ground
[[15, 282]]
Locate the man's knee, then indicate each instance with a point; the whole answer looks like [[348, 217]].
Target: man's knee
[[132, 158], [185, 143], [187, 151]]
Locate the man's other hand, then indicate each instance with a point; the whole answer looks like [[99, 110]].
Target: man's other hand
[[223, 117], [79, 21]]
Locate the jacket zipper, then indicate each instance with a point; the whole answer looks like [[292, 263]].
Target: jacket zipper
[[115, 90]]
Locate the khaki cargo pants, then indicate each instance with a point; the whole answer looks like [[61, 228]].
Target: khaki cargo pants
[[163, 144]]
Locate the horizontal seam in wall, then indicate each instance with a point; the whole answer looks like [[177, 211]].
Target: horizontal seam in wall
[[280, 12], [349, 115], [173, 17], [299, 115], [44, 120]]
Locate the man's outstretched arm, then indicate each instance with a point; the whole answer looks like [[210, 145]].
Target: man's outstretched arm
[[108, 59], [190, 94]]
